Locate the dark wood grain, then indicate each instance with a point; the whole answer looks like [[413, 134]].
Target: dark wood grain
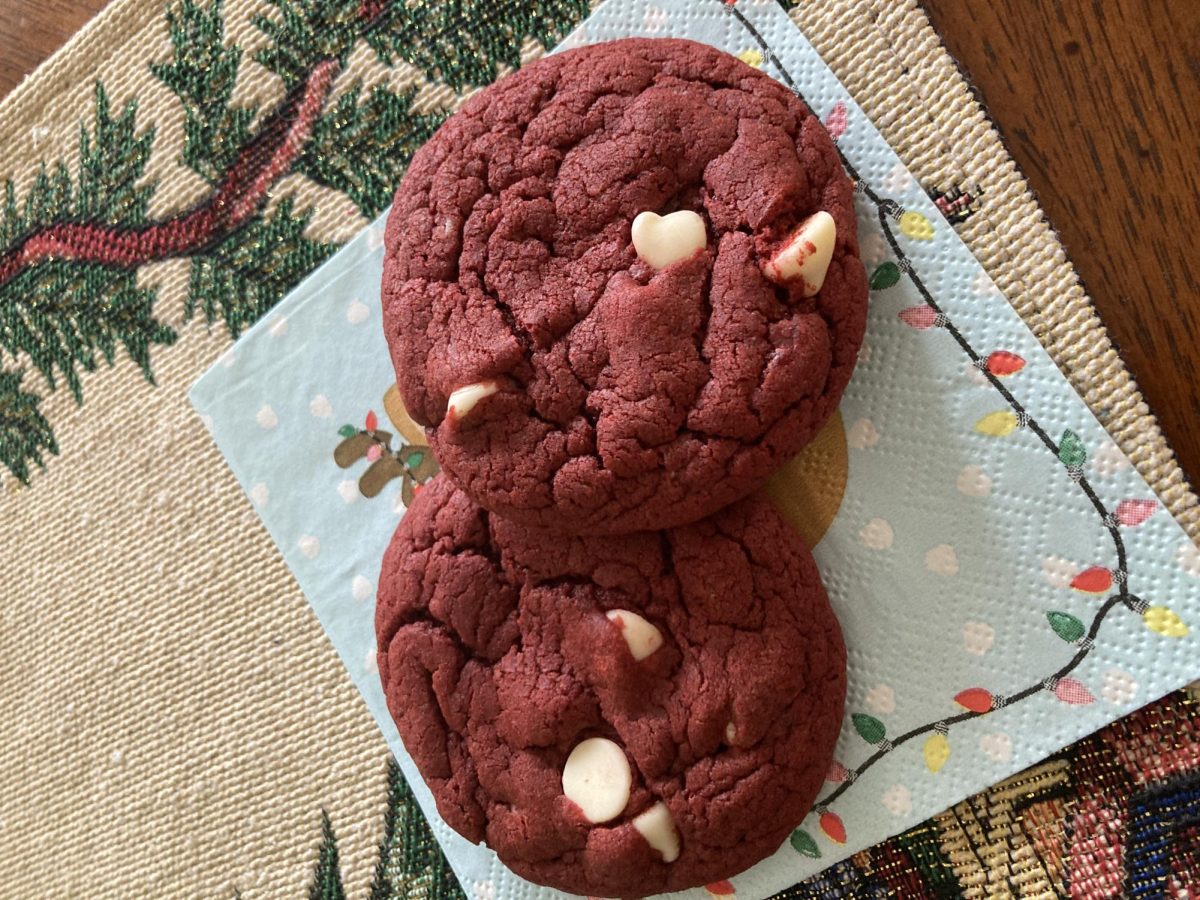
[[30, 30], [1099, 103]]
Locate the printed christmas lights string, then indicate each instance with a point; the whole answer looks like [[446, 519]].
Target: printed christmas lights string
[[414, 465], [1069, 450]]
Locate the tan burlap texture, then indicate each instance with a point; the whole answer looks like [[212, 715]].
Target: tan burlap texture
[[172, 718]]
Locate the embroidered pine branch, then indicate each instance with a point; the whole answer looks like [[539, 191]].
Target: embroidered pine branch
[[388, 866], [327, 876], [65, 318], [24, 431], [304, 32], [203, 74], [111, 161], [243, 275], [242, 191], [410, 862], [311, 41], [68, 290], [361, 147], [71, 248], [464, 43]]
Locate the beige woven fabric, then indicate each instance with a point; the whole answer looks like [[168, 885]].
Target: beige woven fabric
[[173, 719]]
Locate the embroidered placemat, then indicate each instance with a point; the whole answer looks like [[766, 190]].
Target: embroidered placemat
[[171, 707]]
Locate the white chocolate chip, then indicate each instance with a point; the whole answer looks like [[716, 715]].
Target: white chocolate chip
[[662, 240], [462, 400], [806, 254], [658, 828], [730, 733], [642, 637], [597, 779]]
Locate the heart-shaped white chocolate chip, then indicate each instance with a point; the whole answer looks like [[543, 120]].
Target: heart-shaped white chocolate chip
[[462, 400], [658, 828], [642, 637], [662, 240], [597, 779], [805, 255]]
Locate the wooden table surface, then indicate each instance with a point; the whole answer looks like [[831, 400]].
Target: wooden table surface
[[1094, 101]]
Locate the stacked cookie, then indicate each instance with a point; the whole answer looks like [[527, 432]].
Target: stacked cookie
[[621, 289]]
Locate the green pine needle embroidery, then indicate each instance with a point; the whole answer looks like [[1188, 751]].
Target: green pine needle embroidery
[[109, 191], [247, 273], [923, 846], [202, 74], [362, 147], [64, 317], [327, 875], [111, 161], [410, 863], [70, 249], [305, 32], [24, 431], [465, 42]]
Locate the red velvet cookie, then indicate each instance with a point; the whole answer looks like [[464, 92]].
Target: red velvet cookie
[[616, 715], [603, 386]]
